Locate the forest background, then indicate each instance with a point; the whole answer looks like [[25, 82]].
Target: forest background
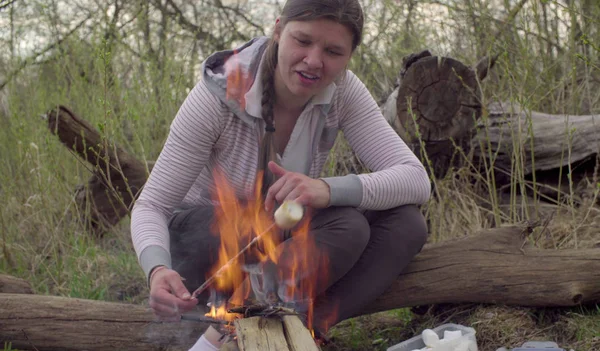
[[126, 66]]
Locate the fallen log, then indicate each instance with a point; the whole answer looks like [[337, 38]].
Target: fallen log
[[561, 150], [117, 176], [553, 140], [38, 322], [13, 285], [497, 266]]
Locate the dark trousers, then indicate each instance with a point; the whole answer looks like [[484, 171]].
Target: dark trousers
[[365, 253]]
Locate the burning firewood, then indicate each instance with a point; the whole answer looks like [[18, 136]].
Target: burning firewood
[[277, 334], [265, 327]]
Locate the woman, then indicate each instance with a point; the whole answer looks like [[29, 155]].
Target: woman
[[368, 225]]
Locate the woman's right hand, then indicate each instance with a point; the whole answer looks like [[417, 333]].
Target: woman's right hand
[[169, 298]]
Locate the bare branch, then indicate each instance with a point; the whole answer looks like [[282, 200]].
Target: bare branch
[[237, 11], [6, 3], [32, 59], [183, 21]]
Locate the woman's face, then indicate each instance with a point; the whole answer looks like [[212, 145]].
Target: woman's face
[[312, 54]]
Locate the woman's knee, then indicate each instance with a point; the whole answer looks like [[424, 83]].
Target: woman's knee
[[405, 226], [344, 228]]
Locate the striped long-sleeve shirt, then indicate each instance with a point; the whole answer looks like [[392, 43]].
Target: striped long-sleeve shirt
[[211, 131]]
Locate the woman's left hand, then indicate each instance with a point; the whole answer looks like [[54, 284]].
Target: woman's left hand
[[296, 186]]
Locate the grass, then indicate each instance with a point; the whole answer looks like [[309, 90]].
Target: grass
[[132, 101]]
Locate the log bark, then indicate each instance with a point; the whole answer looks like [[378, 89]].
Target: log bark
[[13, 285], [497, 266], [544, 142], [36, 322]]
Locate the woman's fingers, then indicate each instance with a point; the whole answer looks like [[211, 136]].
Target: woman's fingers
[[165, 304], [294, 194], [296, 186], [287, 187], [277, 170], [169, 298], [272, 193], [177, 287]]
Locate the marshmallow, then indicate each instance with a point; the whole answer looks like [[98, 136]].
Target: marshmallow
[[288, 214], [452, 334], [430, 338]]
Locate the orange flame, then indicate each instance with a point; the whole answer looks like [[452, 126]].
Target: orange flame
[[221, 313], [238, 81], [300, 264]]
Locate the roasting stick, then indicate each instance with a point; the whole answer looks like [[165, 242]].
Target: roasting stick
[[201, 319], [211, 280], [286, 216]]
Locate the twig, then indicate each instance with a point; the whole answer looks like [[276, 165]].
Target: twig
[[211, 280], [202, 319], [6, 4]]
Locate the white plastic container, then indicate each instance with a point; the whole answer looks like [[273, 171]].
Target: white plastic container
[[417, 343]]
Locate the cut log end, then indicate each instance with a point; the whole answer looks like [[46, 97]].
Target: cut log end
[[438, 103], [438, 99]]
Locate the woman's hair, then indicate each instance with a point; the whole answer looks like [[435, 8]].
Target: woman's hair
[[346, 12]]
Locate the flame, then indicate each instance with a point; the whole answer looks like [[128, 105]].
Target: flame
[[220, 313], [238, 81], [299, 266]]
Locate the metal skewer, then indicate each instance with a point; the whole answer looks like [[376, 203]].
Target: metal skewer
[[211, 280]]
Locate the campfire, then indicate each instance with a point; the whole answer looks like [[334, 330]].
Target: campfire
[[255, 276]]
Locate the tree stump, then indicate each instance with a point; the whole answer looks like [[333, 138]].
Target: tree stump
[[438, 103], [436, 109]]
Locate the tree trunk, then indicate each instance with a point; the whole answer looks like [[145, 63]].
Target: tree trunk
[[36, 322], [13, 285], [498, 266]]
